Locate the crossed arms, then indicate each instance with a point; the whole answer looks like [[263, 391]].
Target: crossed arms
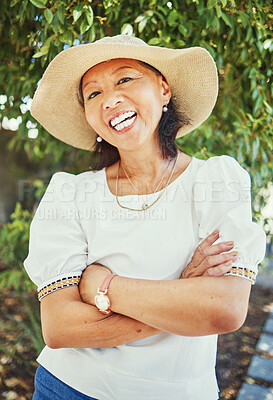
[[202, 302]]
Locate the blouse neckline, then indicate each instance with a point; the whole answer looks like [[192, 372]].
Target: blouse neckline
[[176, 180]]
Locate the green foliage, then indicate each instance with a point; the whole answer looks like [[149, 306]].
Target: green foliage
[[28, 331], [14, 237], [31, 329]]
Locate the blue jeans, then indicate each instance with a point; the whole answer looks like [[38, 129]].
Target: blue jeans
[[48, 387]]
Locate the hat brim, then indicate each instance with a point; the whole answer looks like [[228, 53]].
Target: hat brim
[[191, 74]]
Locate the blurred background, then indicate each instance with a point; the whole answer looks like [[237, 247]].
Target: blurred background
[[238, 35]]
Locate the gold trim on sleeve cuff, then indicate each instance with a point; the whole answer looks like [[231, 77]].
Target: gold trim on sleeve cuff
[[58, 284], [243, 272]]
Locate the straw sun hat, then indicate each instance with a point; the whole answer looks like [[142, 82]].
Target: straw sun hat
[[191, 74]]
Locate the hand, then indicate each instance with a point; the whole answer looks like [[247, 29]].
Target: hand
[[208, 260], [91, 280]]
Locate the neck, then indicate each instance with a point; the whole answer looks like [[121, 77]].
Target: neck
[[143, 169]]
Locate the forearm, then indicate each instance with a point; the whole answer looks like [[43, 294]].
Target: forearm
[[190, 307], [78, 325]]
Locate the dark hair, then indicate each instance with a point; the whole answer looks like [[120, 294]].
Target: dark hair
[[105, 154]]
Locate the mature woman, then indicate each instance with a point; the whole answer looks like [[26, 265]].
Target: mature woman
[[166, 241]]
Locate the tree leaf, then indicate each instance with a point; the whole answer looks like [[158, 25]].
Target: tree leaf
[[142, 24], [173, 18], [13, 3], [92, 34], [77, 12], [38, 55], [155, 41], [258, 104], [182, 29], [178, 44], [267, 43], [43, 51], [89, 14], [255, 148], [39, 3], [55, 23], [244, 54], [61, 13], [127, 29], [255, 93], [161, 17], [163, 10], [140, 18], [226, 19], [48, 15], [84, 27]]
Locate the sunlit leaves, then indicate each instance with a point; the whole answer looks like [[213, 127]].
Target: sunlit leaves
[[141, 20], [127, 29], [268, 44], [77, 12], [39, 3], [89, 14], [48, 15]]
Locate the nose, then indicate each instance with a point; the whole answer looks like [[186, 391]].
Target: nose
[[111, 100]]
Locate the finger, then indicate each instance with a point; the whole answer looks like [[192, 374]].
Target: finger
[[218, 248], [210, 239], [214, 261], [200, 250], [219, 270]]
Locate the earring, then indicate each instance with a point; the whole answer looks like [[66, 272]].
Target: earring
[[99, 139], [165, 108]]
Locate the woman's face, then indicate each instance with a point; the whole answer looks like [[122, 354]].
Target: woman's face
[[123, 102]]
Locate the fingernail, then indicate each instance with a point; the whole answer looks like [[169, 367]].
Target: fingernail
[[214, 233], [228, 263], [230, 243], [234, 254]]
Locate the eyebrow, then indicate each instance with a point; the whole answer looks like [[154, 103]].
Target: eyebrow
[[112, 73]]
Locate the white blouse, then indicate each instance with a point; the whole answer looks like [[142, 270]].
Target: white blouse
[[79, 222]]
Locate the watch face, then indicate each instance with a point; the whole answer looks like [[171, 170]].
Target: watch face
[[102, 302]]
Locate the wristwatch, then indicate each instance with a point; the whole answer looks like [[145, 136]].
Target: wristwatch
[[101, 299]]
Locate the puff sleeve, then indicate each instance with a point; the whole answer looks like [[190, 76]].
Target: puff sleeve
[[57, 247], [222, 201]]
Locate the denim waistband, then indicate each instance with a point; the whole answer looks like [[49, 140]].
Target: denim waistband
[[48, 387]]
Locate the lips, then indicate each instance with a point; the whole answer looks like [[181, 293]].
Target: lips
[[122, 120]]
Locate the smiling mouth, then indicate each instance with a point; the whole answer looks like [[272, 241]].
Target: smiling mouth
[[123, 121]]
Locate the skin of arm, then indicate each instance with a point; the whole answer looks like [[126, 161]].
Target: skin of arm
[[68, 322], [189, 307], [207, 302]]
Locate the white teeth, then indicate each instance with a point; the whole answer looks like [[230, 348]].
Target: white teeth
[[127, 122], [124, 124], [121, 117]]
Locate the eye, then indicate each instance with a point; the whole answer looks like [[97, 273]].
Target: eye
[[124, 80], [92, 95]]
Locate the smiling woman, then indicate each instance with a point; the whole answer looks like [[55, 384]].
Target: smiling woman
[[154, 250]]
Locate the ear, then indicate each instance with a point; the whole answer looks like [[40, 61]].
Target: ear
[[165, 90]]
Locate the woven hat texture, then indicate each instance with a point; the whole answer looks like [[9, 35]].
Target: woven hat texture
[[191, 74]]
